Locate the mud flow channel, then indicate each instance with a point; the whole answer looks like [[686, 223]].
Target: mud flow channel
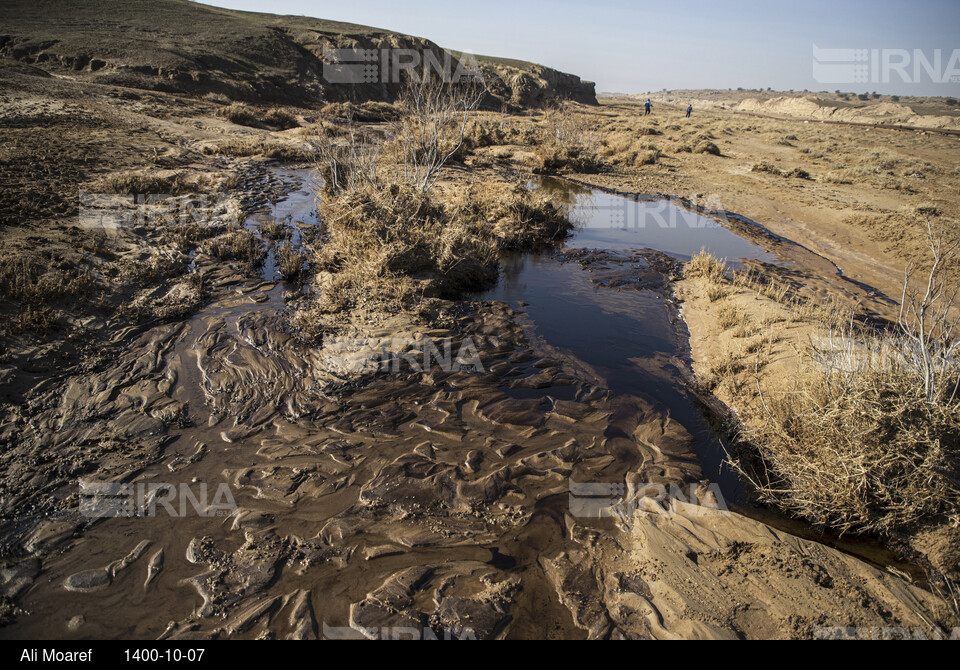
[[265, 491]]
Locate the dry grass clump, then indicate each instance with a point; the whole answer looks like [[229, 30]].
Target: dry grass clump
[[569, 144], [386, 248], [795, 173], [706, 266], [729, 316], [840, 177], [289, 153], [745, 329], [153, 269], [387, 241], [274, 229], [518, 218], [126, 183], [241, 114], [374, 234], [625, 148], [485, 133], [707, 147], [31, 280], [715, 293], [324, 128], [240, 148], [290, 261], [255, 117], [367, 112], [724, 369], [554, 159], [186, 235], [36, 319], [236, 245], [34, 285], [280, 119]]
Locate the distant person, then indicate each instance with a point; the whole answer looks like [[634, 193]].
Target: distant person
[[689, 110], [647, 107]]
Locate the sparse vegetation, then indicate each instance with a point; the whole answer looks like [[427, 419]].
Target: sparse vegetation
[[569, 144], [869, 438], [256, 117]]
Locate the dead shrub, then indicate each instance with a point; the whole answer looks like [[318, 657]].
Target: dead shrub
[[868, 440], [706, 266]]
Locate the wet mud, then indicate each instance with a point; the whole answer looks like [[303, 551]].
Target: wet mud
[[272, 488]]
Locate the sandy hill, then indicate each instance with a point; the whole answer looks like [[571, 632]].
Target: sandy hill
[[918, 112], [181, 46]]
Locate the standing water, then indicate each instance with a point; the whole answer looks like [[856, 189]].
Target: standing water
[[629, 338]]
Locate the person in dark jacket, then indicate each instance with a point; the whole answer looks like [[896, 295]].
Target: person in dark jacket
[[647, 107], [689, 110]]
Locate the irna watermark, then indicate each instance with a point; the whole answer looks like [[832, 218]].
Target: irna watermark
[[411, 354], [394, 66], [111, 212], [139, 499], [598, 500], [886, 66], [395, 633]]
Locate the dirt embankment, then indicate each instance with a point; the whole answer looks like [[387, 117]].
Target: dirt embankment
[[185, 47], [844, 108], [882, 113]]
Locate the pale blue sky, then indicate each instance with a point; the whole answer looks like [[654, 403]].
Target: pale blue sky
[[646, 46]]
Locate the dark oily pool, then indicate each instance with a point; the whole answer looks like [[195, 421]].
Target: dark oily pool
[[629, 339]]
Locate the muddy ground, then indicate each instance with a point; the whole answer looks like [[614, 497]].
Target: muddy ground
[[370, 505]]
